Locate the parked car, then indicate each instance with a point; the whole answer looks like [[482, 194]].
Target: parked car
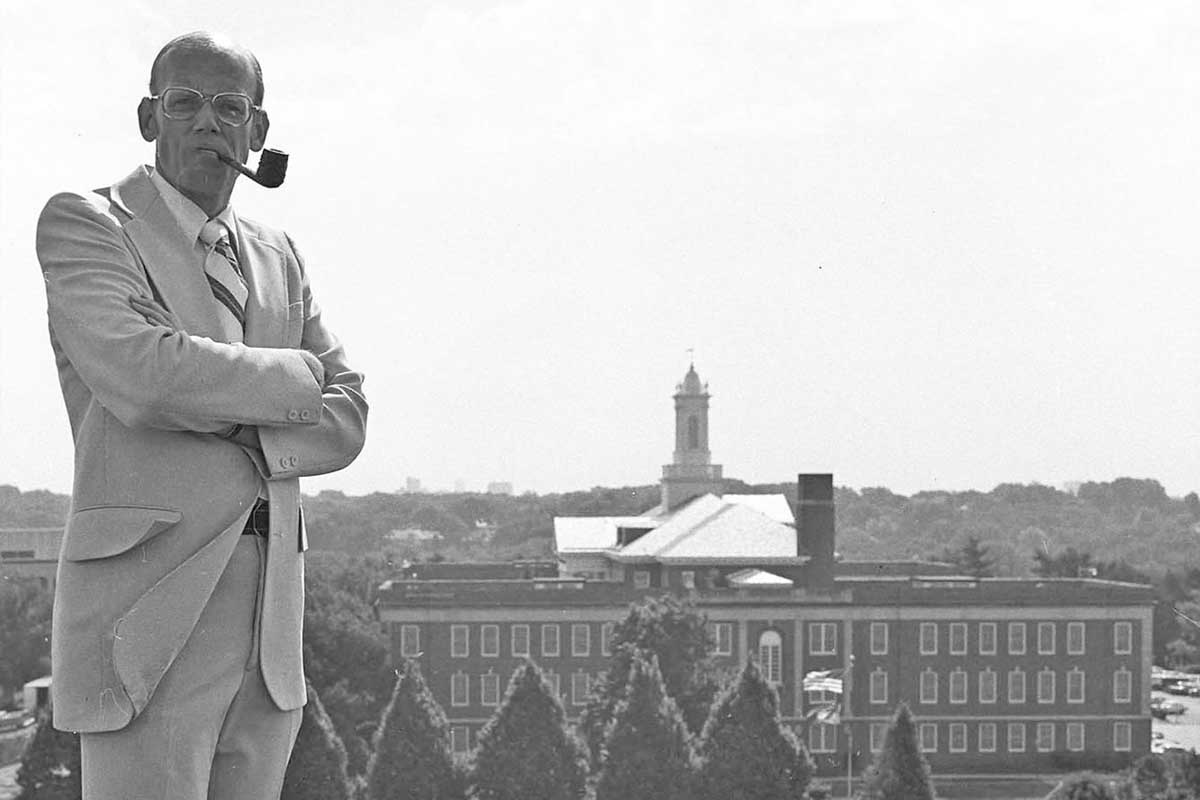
[[1164, 708]]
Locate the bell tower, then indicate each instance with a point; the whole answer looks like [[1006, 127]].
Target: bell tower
[[693, 472]]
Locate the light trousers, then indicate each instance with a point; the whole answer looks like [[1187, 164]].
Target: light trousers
[[211, 730]]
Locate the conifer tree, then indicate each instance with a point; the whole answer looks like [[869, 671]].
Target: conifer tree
[[411, 758], [648, 753], [900, 771], [526, 751], [51, 766], [746, 753], [317, 769]]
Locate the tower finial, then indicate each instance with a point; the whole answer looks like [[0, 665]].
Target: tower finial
[[691, 357]]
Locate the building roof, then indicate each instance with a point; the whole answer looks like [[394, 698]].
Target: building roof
[[757, 577], [706, 528], [711, 528], [774, 506], [691, 383]]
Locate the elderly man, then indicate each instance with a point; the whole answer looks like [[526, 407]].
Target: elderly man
[[201, 383]]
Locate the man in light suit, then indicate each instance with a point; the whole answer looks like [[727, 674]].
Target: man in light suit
[[201, 383]]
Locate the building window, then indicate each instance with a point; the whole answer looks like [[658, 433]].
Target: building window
[[958, 686], [878, 733], [879, 686], [879, 638], [958, 737], [1045, 737], [460, 738], [1075, 639], [928, 732], [1045, 638], [1122, 736], [693, 432], [1122, 638], [1122, 686], [410, 641], [460, 641], [929, 638], [987, 737], [460, 689], [606, 633], [987, 686], [689, 579], [641, 579], [1016, 686], [1075, 736], [822, 737], [958, 638], [987, 638], [489, 641], [550, 640], [17, 555], [822, 638], [1075, 686], [581, 640], [929, 686], [1016, 737], [489, 689], [552, 679], [722, 633], [770, 656], [580, 688], [1045, 686], [1016, 638], [520, 640]]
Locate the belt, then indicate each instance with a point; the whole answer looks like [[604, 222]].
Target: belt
[[259, 521]]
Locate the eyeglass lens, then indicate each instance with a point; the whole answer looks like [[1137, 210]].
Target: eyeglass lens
[[230, 108]]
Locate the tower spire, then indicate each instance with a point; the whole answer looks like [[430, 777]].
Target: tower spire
[[692, 472]]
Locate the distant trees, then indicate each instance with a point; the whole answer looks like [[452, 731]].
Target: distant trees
[[317, 768], [526, 751], [410, 754], [675, 636], [900, 771], [1082, 786], [25, 607], [50, 769], [648, 753], [972, 558], [745, 751]]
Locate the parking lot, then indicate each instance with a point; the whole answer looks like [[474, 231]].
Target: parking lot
[[1182, 730]]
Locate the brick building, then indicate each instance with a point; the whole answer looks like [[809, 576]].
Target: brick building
[[1003, 675]]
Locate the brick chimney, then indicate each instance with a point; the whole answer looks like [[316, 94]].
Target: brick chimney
[[815, 525]]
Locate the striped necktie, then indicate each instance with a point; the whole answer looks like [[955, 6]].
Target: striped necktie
[[225, 279]]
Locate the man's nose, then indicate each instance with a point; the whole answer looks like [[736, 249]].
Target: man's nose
[[206, 118]]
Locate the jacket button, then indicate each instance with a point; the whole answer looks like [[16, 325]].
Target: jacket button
[[283, 462], [293, 415], [292, 461], [306, 414]]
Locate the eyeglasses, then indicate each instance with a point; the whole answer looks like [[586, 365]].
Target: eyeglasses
[[181, 103]]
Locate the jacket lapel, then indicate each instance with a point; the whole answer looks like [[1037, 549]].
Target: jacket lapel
[[169, 259]]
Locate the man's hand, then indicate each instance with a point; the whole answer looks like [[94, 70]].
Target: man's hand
[[154, 313]]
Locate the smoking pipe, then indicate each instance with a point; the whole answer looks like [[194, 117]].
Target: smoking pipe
[[272, 168]]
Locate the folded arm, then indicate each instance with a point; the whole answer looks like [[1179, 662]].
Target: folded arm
[[147, 375], [338, 437]]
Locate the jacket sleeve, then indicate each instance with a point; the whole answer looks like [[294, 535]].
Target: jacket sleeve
[[338, 437], [146, 375]]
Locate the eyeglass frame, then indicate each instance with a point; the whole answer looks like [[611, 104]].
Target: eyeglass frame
[[207, 98]]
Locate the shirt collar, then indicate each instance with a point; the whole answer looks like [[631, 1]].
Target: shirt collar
[[191, 217]]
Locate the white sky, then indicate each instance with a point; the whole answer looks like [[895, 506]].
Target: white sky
[[923, 245]]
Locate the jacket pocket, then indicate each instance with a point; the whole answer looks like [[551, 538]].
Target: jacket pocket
[[105, 531]]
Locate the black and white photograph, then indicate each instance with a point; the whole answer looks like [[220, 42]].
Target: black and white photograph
[[519, 399]]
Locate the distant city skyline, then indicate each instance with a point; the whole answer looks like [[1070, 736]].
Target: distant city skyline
[[931, 247]]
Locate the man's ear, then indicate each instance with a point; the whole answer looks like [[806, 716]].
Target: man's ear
[[259, 124], [146, 119]]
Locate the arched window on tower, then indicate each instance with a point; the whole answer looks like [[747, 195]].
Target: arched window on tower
[[693, 433], [770, 656]]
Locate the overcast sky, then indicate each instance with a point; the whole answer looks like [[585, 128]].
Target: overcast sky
[[919, 245]]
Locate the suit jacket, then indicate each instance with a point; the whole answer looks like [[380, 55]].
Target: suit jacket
[[160, 496]]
